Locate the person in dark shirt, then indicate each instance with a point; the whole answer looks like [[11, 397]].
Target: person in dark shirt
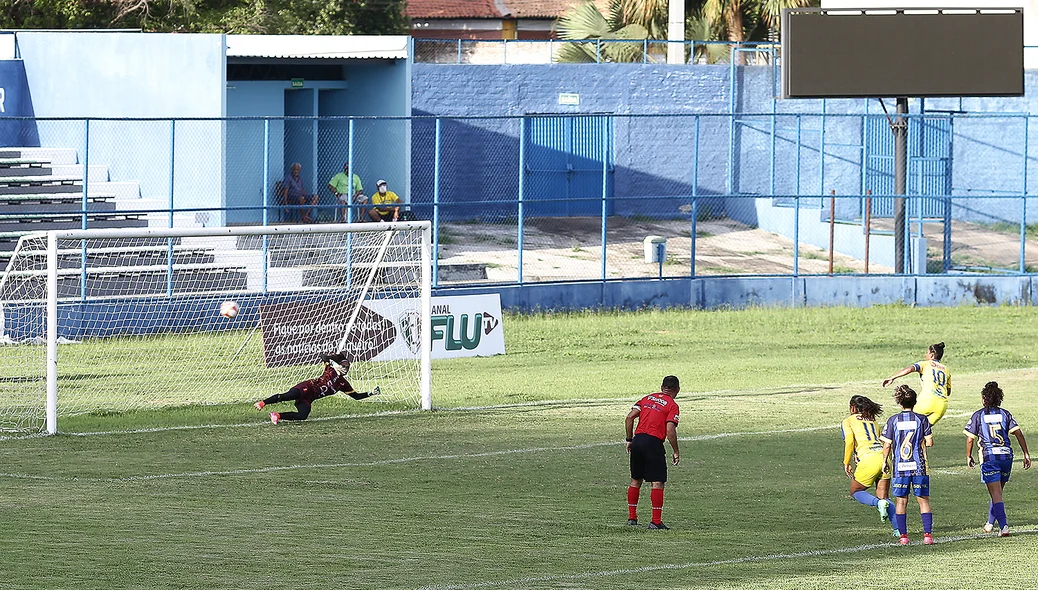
[[332, 381]]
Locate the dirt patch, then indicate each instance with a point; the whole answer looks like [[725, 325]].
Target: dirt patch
[[570, 248]]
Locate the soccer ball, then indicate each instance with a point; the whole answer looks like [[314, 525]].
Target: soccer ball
[[229, 309]]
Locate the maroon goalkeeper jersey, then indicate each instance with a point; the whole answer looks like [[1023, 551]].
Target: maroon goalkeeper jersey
[[327, 384]]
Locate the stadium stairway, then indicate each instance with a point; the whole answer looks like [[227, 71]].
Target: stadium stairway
[[41, 189]]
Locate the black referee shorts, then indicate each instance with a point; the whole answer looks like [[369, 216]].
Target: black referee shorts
[[648, 458]]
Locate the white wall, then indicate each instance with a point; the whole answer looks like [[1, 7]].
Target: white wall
[[126, 75]]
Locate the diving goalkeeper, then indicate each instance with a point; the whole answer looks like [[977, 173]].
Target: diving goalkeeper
[[304, 394]]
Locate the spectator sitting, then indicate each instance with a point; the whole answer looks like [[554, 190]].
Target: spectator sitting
[[340, 184], [293, 192], [385, 204]]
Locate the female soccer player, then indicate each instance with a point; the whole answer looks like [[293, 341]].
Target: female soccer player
[[910, 433], [935, 381], [861, 443], [332, 381], [992, 425]]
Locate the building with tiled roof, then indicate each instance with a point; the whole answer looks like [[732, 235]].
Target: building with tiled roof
[[487, 19]]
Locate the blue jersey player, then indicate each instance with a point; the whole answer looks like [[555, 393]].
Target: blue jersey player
[[908, 433], [992, 425]]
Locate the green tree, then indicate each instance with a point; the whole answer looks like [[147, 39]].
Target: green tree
[[299, 17]]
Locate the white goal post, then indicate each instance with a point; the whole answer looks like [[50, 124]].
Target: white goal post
[[120, 320]]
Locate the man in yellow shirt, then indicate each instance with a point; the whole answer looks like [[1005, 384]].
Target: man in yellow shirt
[[385, 204]]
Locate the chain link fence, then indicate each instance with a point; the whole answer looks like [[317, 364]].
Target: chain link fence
[[561, 198]]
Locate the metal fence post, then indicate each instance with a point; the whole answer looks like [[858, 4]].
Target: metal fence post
[[86, 171], [266, 172], [695, 193], [1023, 205], [349, 158], [266, 199], [172, 175], [522, 185], [436, 209], [85, 204], [796, 248], [605, 188]]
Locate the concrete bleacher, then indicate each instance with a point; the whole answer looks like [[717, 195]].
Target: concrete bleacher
[[42, 189]]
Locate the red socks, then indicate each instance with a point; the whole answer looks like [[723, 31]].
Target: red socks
[[632, 502], [656, 495]]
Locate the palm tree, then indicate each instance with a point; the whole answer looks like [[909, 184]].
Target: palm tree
[[584, 22]]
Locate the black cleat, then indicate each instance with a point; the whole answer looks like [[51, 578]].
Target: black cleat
[[658, 527], [632, 522]]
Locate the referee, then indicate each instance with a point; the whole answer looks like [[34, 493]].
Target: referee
[[657, 416]]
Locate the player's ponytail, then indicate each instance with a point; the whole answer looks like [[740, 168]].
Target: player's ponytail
[[991, 395], [937, 350], [866, 407]]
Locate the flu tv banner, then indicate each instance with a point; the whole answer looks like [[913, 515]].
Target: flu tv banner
[[467, 325], [462, 326]]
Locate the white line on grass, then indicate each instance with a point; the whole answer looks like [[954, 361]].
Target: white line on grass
[[401, 460], [520, 582]]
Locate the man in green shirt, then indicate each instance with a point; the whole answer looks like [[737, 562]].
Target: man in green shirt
[[340, 186]]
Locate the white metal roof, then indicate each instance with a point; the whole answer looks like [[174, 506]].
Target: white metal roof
[[318, 46]]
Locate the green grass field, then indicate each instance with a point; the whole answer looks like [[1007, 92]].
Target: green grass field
[[518, 480]]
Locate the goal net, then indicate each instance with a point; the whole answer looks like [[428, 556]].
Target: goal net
[[114, 321]]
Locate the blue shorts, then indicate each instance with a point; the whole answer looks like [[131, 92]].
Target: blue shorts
[[919, 484], [996, 470]]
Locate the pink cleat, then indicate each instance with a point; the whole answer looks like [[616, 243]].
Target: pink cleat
[[1004, 532], [927, 539], [988, 527], [275, 417], [904, 540], [259, 405]]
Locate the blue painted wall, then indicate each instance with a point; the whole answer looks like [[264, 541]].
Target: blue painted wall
[[372, 88], [713, 293], [654, 156], [16, 101], [80, 74]]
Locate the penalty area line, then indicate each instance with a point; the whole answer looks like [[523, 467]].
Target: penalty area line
[[520, 582]]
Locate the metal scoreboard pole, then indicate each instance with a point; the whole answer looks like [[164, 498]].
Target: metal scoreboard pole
[[900, 128]]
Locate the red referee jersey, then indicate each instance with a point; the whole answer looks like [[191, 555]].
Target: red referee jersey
[[656, 410]]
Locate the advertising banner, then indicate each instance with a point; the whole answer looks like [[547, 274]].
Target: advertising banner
[[298, 333], [467, 325]]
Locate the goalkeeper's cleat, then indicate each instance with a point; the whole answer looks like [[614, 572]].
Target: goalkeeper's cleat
[[904, 539], [658, 526], [259, 405], [632, 522], [376, 391], [988, 527], [275, 417], [883, 506], [1004, 532], [927, 539]]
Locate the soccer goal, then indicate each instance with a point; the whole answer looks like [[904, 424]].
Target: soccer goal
[[114, 320]]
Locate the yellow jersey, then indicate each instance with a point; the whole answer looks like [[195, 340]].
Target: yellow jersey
[[934, 379], [860, 438]]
